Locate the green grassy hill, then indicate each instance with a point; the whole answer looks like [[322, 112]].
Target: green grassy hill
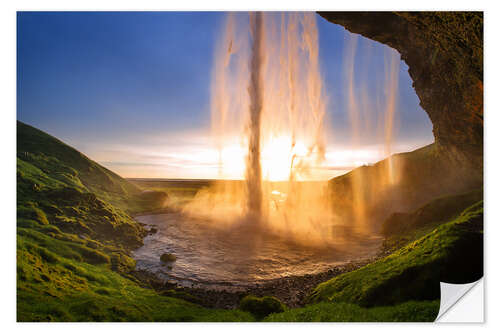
[[60, 187], [420, 176], [46, 162], [347, 312], [453, 253], [400, 229]]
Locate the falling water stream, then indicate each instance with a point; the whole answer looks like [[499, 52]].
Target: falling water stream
[[255, 92]]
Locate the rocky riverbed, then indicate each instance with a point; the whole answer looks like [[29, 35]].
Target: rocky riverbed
[[292, 290]]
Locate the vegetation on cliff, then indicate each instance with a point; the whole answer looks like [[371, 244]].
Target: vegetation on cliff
[[420, 176], [453, 253], [346, 312], [402, 228]]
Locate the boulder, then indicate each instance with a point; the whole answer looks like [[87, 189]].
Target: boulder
[[168, 257]]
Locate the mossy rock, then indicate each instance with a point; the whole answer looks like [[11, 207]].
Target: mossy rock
[[168, 257], [261, 307]]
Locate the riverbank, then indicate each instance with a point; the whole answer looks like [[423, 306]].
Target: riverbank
[[291, 290], [229, 263]]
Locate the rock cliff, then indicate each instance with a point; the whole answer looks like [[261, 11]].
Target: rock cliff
[[444, 53]]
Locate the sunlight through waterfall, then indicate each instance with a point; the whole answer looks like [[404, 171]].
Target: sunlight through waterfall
[[267, 91]]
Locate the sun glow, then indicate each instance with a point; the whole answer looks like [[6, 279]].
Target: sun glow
[[195, 157], [280, 157]]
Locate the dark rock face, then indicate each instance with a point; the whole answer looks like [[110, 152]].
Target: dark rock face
[[444, 52]]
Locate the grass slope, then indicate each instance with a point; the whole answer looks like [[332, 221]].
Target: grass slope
[[67, 165], [452, 253], [401, 228], [56, 282], [345, 312]]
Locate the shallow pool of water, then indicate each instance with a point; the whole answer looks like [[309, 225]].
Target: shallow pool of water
[[237, 257]]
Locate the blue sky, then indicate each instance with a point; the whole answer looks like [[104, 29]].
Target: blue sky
[[132, 90]]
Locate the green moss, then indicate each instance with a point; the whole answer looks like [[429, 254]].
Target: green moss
[[344, 312], [30, 211], [90, 255], [402, 228], [168, 257], [261, 306], [122, 263]]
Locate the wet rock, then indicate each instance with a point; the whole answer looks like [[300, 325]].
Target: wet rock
[[170, 284], [291, 291], [168, 257]]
